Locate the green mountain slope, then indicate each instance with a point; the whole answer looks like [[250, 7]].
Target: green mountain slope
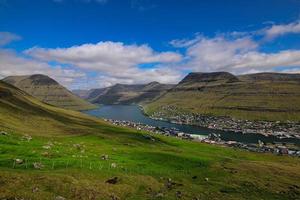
[[49, 91], [52, 153], [265, 96], [128, 94]]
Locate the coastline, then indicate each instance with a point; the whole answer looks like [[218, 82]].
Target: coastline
[[213, 139], [267, 128]]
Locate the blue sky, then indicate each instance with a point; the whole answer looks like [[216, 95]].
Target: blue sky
[[97, 43]]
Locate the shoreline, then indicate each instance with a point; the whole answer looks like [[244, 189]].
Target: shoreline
[[278, 129], [260, 147]]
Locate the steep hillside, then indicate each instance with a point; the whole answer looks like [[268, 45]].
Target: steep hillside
[[51, 153], [25, 114], [49, 91], [266, 96], [128, 94]]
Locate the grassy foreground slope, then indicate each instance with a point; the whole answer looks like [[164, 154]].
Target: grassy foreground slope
[[69, 144], [48, 90], [265, 96]]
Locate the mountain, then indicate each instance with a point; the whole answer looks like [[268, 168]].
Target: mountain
[[81, 93], [128, 94], [271, 77], [53, 153], [196, 80], [49, 91], [262, 96]]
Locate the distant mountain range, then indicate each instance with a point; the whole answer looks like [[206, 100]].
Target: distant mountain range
[[125, 94], [49, 91], [262, 96]]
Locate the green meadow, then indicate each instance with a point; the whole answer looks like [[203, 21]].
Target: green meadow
[[52, 153]]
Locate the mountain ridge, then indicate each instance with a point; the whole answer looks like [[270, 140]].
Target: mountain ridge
[[262, 96], [127, 94], [49, 91]]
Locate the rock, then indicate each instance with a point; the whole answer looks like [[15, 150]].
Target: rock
[[114, 197], [104, 157], [159, 195], [113, 180], [26, 137], [3, 133], [60, 198], [171, 184], [149, 137], [77, 146], [19, 161], [35, 189], [46, 147], [113, 165], [46, 154], [38, 165], [178, 194]]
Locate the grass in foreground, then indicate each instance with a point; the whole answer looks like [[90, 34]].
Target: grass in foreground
[[69, 145]]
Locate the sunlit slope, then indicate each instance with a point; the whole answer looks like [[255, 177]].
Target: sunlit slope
[[25, 114], [255, 97], [69, 145], [48, 90]]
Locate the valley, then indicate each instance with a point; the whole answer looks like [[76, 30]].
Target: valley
[[64, 156]]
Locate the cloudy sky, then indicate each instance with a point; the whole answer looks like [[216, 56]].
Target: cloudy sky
[[97, 43]]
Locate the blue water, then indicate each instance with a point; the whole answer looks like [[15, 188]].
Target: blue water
[[134, 114]]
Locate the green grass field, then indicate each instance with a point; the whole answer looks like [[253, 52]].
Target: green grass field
[[69, 145]]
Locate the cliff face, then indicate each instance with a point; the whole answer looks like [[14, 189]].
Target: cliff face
[[49, 91]]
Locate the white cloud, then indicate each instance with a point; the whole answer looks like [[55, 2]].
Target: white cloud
[[6, 38], [104, 56], [117, 62], [282, 29], [107, 63], [133, 76], [240, 55], [12, 64]]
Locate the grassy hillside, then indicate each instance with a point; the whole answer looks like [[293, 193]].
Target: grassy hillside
[[69, 145], [255, 97], [128, 94], [49, 91]]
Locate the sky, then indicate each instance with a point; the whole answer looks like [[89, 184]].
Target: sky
[[86, 44]]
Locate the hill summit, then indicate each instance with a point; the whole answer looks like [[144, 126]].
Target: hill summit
[[199, 79], [49, 91]]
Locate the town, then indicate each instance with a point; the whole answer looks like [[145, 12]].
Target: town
[[279, 129], [261, 147]]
